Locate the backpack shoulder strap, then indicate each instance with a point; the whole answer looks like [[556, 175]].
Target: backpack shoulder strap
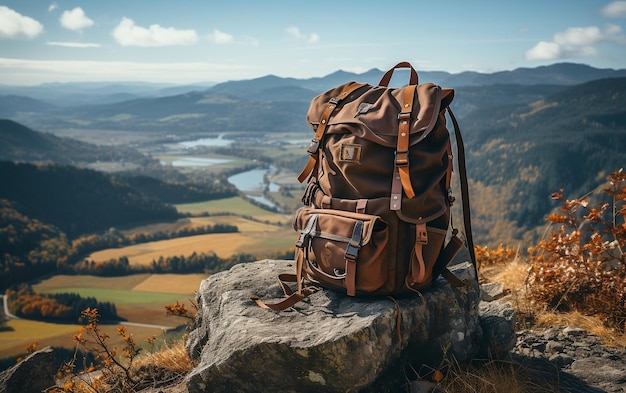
[[467, 222]]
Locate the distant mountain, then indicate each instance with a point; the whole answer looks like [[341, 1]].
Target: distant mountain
[[195, 111], [82, 93], [556, 74], [12, 105]]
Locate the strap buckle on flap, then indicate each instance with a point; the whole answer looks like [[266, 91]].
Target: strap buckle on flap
[[352, 250], [404, 115], [307, 232], [313, 147], [334, 100], [402, 158]]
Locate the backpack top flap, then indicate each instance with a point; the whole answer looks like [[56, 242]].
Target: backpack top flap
[[371, 112]]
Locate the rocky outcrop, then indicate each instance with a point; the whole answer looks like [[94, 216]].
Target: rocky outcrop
[[497, 319], [32, 375], [327, 343], [573, 359]]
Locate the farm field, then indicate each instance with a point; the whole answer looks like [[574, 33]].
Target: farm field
[[260, 243], [21, 333], [265, 235], [236, 206], [139, 298]]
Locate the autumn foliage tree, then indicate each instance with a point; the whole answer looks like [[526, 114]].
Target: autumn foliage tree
[[60, 307]]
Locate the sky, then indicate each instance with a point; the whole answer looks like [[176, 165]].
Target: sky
[[208, 41]]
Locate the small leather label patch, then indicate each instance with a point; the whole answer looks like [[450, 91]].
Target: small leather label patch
[[350, 153]]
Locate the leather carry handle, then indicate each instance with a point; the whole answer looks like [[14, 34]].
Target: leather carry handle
[[387, 77]]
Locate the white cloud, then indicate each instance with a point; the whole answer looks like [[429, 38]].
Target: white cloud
[[74, 44], [128, 34], [576, 42], [75, 19], [544, 50], [52, 7], [16, 25], [616, 9], [314, 37], [297, 34], [219, 37]]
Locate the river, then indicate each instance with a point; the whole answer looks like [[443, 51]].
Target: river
[[252, 184]]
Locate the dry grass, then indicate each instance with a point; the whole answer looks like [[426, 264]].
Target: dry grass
[[513, 274], [173, 358], [493, 376], [163, 371]]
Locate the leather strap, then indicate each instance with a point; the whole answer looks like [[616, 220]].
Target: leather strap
[[361, 204], [292, 297], [321, 129], [413, 80], [452, 279], [402, 175], [351, 254], [445, 256], [286, 303], [449, 173], [467, 222], [395, 202], [418, 266], [326, 202], [402, 148]]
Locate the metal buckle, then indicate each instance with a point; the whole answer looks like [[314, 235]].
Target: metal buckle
[[404, 115], [451, 199], [402, 162], [313, 147], [352, 249]]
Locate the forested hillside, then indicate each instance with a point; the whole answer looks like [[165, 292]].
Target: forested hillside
[[20, 143], [78, 201], [519, 154]]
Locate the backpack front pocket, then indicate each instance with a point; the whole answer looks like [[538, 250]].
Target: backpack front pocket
[[342, 249]]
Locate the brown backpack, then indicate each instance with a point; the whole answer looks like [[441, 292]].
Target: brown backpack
[[376, 212]]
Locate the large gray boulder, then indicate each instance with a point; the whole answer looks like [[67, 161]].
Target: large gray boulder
[[329, 342]]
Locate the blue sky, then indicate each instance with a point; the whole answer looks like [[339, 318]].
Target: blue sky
[[212, 41]]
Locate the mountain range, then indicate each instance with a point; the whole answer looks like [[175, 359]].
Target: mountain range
[[244, 105]]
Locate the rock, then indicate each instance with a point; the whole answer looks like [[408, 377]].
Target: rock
[[581, 362], [32, 375], [497, 320], [491, 291], [327, 343]]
